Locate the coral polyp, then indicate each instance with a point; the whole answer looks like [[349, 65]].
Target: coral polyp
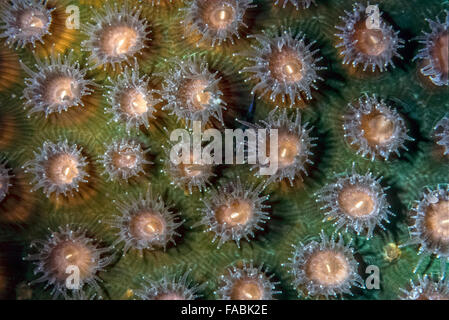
[[58, 168], [434, 54], [371, 44], [192, 92], [189, 176], [57, 85], [284, 66], [375, 128], [146, 223], [304, 4], [247, 283], [5, 180], [130, 99], [68, 250], [170, 288], [115, 36], [294, 145], [430, 228], [355, 202], [124, 159], [441, 132], [216, 21], [25, 22], [234, 212], [324, 269], [426, 289]]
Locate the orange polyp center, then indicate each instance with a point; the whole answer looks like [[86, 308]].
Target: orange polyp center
[[118, 40], [247, 290], [370, 41], [147, 226], [68, 254], [62, 169], [356, 201], [437, 220], [286, 65], [134, 102], [193, 93], [289, 147], [441, 52], [378, 129], [60, 90], [238, 213], [220, 16], [125, 159], [327, 268]]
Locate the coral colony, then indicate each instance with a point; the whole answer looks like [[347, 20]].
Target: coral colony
[[226, 149]]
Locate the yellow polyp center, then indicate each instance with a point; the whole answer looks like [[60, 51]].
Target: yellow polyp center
[[247, 290], [170, 296], [68, 254], [327, 268], [62, 169], [356, 201], [286, 65], [61, 90], [221, 16], [119, 40], [370, 41], [238, 213], [440, 53], [124, 159], [437, 220], [134, 102], [193, 93], [289, 147], [147, 225], [392, 252], [378, 129]]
